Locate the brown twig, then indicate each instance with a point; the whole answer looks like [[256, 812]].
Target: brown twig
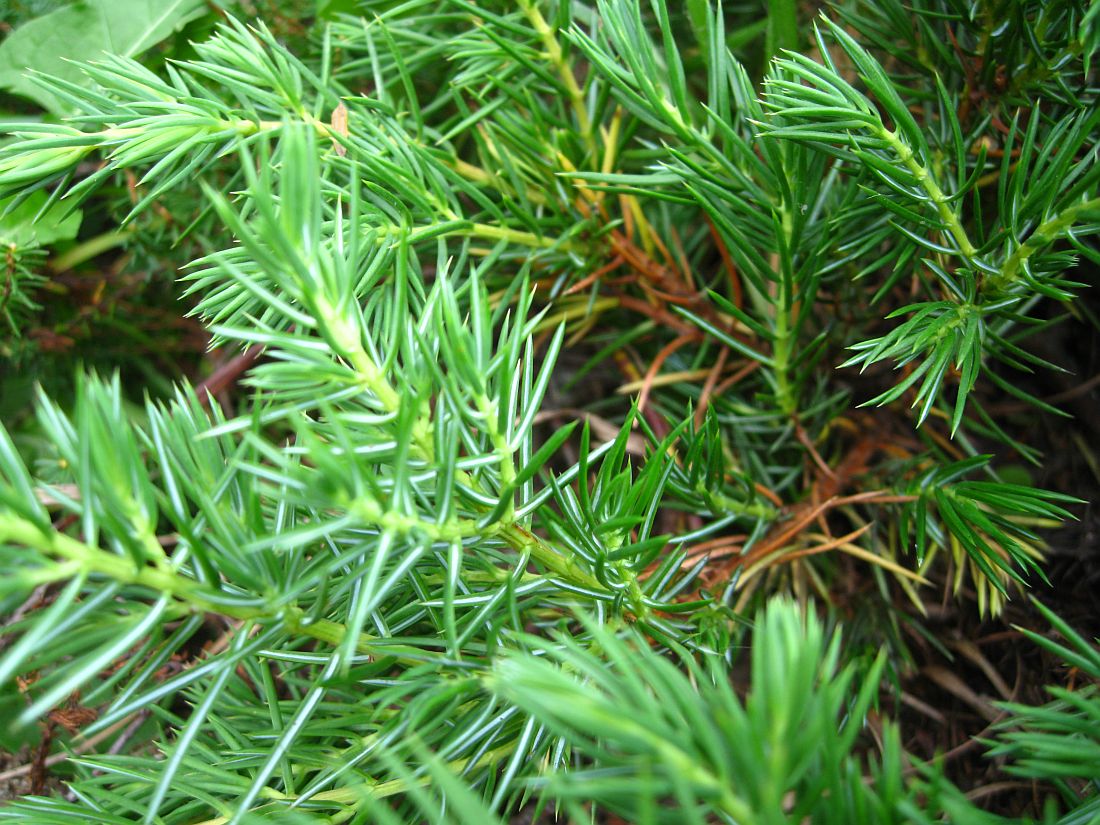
[[226, 374], [83, 747], [708, 386], [659, 360]]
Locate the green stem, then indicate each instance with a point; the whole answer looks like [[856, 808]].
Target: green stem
[[490, 413], [471, 229], [477, 174], [245, 127], [89, 249], [455, 529], [115, 567], [192, 596], [556, 56], [516, 236], [720, 502], [1045, 234], [928, 183], [519, 538], [784, 334]]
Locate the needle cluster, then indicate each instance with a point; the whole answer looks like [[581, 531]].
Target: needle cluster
[[382, 589]]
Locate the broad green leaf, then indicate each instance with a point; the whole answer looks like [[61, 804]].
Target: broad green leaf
[[85, 31], [24, 227], [330, 9]]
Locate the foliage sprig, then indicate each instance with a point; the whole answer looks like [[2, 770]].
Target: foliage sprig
[[378, 587]]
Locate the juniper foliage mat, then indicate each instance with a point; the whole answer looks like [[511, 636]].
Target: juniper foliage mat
[[622, 391]]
